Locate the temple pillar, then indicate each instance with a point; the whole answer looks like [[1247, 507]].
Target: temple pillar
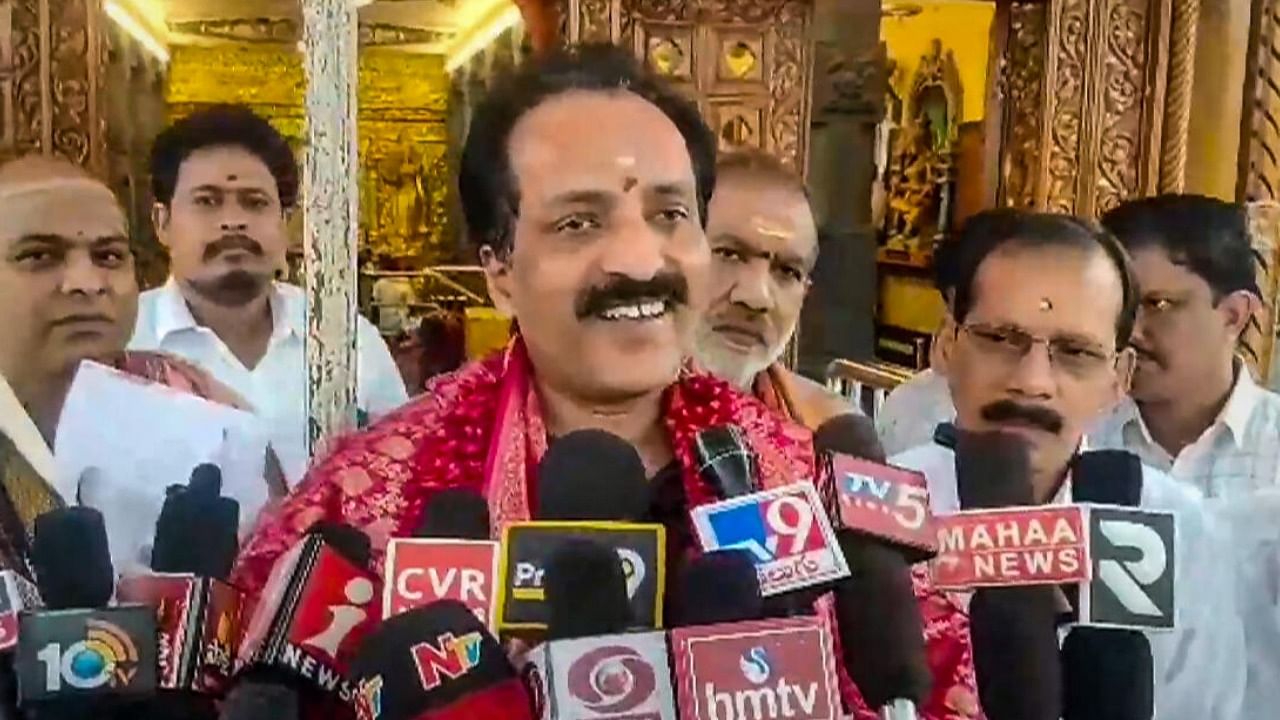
[[1213, 144], [330, 206], [51, 78]]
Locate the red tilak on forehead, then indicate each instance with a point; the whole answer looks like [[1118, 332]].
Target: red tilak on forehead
[[628, 183], [232, 178]]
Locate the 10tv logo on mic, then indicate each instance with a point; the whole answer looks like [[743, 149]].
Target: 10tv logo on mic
[[84, 652], [784, 529]]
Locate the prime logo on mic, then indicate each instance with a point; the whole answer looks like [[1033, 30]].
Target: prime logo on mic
[[764, 670], [785, 530]]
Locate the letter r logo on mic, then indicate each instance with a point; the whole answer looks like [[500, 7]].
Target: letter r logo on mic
[[1134, 557]]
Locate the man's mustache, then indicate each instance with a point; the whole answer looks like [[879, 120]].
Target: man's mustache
[[1041, 417], [1146, 354], [671, 287], [227, 243]]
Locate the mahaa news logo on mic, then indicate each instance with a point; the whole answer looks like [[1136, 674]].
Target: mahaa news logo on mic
[[86, 652], [1012, 546], [610, 677], [785, 530], [420, 571], [762, 670]]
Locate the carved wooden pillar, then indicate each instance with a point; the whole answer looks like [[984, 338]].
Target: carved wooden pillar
[[51, 78], [1085, 83], [330, 193]]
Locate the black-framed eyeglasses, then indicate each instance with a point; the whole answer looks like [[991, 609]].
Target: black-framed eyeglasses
[[1008, 344]]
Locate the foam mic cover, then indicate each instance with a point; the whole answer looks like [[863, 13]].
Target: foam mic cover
[[1015, 653], [881, 632], [586, 591], [725, 462], [720, 587], [850, 434], [438, 662], [347, 541], [206, 480], [1108, 675], [71, 560], [993, 470], [198, 530], [591, 475], [455, 513], [1107, 477], [251, 700]]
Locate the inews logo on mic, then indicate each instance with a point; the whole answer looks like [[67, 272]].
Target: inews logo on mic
[[785, 530], [765, 670]]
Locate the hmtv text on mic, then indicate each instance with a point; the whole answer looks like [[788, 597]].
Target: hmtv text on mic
[[785, 530]]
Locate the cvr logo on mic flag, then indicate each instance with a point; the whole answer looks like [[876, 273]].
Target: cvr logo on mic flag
[[1134, 569], [420, 571], [785, 530]]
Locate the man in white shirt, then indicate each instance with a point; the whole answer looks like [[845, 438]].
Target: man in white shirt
[[224, 182], [1043, 309], [1194, 410]]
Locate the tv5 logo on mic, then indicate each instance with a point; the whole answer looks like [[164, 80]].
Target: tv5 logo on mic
[[1134, 558], [786, 531], [86, 652], [526, 547], [764, 670], [610, 677], [886, 502], [420, 571]]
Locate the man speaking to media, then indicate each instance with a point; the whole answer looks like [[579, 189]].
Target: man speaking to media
[[585, 182]]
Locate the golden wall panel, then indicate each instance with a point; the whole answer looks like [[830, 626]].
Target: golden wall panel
[[405, 183]]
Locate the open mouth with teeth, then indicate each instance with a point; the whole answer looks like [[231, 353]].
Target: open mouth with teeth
[[640, 310]]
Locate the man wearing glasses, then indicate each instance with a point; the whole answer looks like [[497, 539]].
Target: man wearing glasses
[[1195, 411], [1041, 319]]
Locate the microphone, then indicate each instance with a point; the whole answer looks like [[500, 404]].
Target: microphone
[[79, 656], [252, 700], [318, 604], [197, 611], [720, 587], [436, 663], [1012, 629], [1108, 673], [724, 461], [591, 475], [878, 618], [450, 557], [589, 667]]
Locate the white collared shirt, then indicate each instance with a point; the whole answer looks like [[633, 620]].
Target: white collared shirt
[[1200, 666], [913, 410], [277, 386], [1236, 463]]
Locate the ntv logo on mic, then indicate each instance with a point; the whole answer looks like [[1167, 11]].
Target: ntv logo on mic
[[785, 530]]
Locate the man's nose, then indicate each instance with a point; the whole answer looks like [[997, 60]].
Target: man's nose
[[1033, 374], [635, 250], [233, 219], [751, 288], [82, 276]]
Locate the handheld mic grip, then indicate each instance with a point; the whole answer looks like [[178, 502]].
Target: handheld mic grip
[[724, 460]]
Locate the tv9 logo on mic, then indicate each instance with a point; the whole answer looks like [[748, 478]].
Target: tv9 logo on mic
[[785, 530], [87, 651]]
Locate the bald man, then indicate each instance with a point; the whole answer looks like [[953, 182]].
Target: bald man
[[67, 294]]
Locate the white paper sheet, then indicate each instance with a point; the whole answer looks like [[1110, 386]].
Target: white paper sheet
[[123, 440]]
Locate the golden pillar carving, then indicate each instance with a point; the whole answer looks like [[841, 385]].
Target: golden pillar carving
[[1084, 88], [1177, 113], [51, 73]]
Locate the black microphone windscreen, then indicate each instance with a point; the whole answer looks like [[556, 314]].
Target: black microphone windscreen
[[349, 542], [1014, 635], [849, 434], [720, 587], [591, 475], [1108, 675], [250, 700], [206, 480], [197, 534], [1108, 477], [462, 659], [71, 559], [455, 513], [725, 462], [993, 470], [586, 591], [879, 624]]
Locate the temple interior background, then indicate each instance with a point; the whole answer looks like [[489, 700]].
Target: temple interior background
[[905, 118]]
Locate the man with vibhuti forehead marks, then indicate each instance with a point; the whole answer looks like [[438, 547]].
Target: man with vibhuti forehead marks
[[67, 294]]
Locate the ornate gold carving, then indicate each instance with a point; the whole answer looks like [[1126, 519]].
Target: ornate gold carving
[[1024, 65], [741, 60], [1122, 120], [1177, 114], [594, 21], [1260, 150], [249, 30], [1260, 340], [1067, 106]]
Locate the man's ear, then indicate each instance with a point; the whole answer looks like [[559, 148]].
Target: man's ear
[[160, 221], [1126, 361], [943, 344], [1237, 308], [497, 277]]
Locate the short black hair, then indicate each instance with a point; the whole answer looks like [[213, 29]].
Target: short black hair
[[957, 260], [221, 126], [1207, 236], [486, 183]]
